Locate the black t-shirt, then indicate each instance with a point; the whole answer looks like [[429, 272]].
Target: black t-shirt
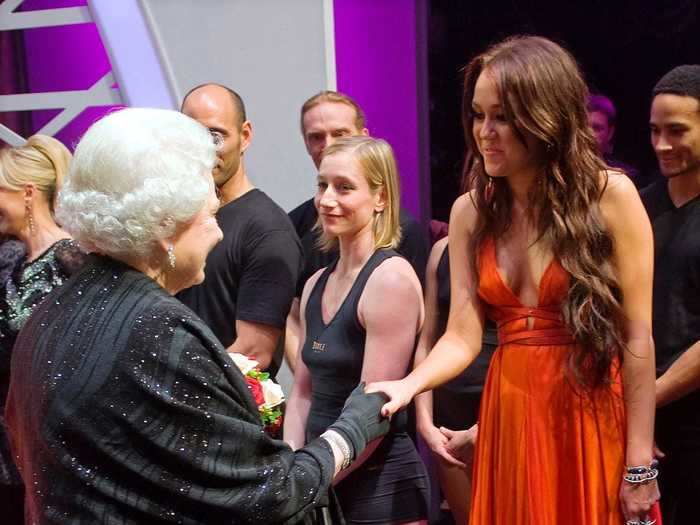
[[251, 275], [676, 303], [414, 246]]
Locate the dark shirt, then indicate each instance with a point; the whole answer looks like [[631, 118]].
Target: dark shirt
[[472, 379], [414, 246], [251, 275], [25, 288], [125, 408], [676, 299]]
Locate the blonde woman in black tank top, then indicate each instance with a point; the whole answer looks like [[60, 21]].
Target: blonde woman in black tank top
[[360, 319]]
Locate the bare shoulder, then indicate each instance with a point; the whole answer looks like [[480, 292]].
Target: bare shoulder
[[392, 275], [436, 253], [620, 196], [621, 206], [393, 292], [616, 185], [464, 212]]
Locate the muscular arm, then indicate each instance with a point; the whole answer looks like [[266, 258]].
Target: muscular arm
[[629, 225], [256, 340], [391, 311], [682, 377]]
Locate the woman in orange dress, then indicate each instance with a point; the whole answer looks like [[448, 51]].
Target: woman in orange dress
[[557, 250]]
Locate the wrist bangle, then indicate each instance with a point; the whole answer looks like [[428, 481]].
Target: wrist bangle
[[642, 473], [332, 437]]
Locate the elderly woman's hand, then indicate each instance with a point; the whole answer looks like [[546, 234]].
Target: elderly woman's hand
[[360, 421]]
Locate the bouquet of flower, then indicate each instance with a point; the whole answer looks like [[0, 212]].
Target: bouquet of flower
[[268, 395]]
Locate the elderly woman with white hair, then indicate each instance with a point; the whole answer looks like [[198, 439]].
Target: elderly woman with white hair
[[123, 406]]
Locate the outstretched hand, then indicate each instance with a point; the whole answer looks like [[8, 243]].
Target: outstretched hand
[[398, 392]]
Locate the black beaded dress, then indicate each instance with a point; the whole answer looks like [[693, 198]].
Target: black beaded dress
[[124, 408]]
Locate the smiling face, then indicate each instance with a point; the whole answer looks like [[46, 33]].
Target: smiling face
[[503, 153], [345, 203], [675, 134], [326, 122], [192, 243]]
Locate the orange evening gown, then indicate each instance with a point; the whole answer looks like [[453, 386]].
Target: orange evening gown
[[546, 453]]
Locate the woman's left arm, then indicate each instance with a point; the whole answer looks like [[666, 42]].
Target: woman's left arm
[[391, 311], [633, 247]]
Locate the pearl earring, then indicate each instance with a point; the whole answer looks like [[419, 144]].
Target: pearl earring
[[171, 256]]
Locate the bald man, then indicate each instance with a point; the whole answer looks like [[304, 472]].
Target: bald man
[[250, 277]]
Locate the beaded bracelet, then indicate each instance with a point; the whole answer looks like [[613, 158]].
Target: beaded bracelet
[[642, 473], [333, 437]]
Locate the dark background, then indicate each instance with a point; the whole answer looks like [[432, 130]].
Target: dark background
[[623, 48]]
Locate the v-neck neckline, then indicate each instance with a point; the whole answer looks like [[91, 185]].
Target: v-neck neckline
[[505, 284]]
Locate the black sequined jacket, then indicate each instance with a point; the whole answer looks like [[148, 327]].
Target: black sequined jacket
[[124, 408], [24, 287]]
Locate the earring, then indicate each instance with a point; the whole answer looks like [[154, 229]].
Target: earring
[[171, 256], [488, 191], [30, 217]]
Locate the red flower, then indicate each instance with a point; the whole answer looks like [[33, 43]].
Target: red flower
[[256, 390]]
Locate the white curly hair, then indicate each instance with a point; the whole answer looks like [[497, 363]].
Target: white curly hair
[[136, 174]]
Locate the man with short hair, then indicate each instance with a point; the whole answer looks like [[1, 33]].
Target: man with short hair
[[325, 117], [673, 205], [250, 277]]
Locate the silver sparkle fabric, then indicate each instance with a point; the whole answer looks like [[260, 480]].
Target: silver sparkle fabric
[[124, 408]]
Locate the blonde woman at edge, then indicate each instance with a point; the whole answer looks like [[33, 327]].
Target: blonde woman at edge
[[30, 176]]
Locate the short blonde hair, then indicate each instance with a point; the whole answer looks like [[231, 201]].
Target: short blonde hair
[[378, 164], [42, 161]]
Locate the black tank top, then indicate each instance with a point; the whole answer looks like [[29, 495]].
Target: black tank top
[[334, 352], [472, 379]]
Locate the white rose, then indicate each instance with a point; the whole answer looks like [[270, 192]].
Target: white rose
[[272, 393], [243, 363]]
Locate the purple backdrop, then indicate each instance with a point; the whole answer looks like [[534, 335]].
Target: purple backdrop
[[376, 50], [64, 58]]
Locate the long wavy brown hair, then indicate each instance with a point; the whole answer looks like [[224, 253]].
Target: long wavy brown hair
[[543, 95]]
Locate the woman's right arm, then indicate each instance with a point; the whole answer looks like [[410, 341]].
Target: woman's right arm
[[299, 402], [461, 343], [435, 439]]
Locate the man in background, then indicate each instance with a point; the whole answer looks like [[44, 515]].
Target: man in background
[[251, 276], [673, 205]]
